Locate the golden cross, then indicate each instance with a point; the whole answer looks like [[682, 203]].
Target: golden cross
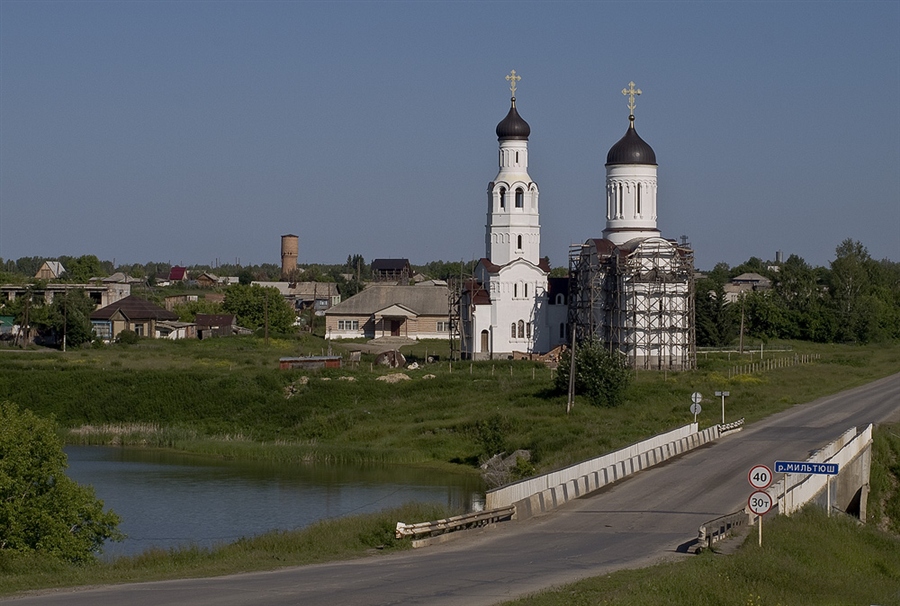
[[512, 78], [631, 92]]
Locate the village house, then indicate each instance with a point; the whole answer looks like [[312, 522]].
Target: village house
[[392, 270], [319, 296], [385, 310], [131, 313], [50, 270]]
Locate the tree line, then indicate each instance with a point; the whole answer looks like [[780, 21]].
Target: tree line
[[856, 299]]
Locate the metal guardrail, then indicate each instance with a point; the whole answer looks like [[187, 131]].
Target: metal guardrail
[[723, 428], [715, 530], [468, 520]]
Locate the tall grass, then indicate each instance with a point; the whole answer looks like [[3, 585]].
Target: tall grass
[[227, 397]]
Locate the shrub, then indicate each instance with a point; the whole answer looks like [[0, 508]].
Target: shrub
[[600, 375], [127, 337]]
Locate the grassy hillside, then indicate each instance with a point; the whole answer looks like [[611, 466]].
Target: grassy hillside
[[227, 397]]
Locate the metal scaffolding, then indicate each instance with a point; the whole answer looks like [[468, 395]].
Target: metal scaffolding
[[637, 299], [457, 335]]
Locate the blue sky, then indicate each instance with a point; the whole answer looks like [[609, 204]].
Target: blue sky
[[194, 131]]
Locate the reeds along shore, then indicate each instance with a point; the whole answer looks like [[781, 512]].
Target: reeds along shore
[[227, 397]]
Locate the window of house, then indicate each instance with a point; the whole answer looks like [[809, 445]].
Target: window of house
[[520, 198], [502, 197], [139, 330], [443, 326], [521, 329]]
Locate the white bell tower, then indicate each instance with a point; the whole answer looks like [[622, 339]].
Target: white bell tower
[[513, 222]]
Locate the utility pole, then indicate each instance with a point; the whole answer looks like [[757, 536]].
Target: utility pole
[[571, 403], [266, 315], [65, 316]]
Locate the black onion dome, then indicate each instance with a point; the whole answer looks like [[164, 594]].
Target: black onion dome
[[631, 149], [513, 126]]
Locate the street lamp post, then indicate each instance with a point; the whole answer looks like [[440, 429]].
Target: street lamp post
[[723, 394]]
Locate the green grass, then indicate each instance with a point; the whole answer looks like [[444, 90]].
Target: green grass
[[337, 539], [805, 559], [226, 397]]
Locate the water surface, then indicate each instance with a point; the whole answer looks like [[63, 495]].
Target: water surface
[[169, 499]]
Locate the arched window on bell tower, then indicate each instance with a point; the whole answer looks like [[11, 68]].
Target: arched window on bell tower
[[502, 198], [520, 198]]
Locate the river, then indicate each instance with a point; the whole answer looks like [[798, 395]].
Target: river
[[168, 499]]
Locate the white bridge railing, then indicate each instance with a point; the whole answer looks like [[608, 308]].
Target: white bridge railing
[[468, 520], [795, 490], [551, 490]]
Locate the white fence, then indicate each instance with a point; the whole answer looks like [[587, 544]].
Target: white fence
[[557, 487], [803, 488]]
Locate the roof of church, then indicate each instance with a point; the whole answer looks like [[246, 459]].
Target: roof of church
[[543, 263], [631, 149], [513, 126]]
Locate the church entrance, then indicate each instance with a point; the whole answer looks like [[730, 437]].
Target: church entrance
[[485, 341]]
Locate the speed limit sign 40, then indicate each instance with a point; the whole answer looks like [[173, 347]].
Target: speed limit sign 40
[[760, 502], [760, 477]]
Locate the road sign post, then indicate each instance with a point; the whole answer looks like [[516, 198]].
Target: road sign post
[[696, 398], [723, 394], [695, 409], [760, 503], [808, 467], [760, 477]]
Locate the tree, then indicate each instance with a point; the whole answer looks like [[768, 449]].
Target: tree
[[70, 315], [851, 281], [187, 312], [41, 509], [83, 268], [714, 318], [253, 304], [602, 376]]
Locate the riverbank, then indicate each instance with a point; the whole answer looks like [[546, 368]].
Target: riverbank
[[465, 408], [338, 539], [227, 398], [806, 559]]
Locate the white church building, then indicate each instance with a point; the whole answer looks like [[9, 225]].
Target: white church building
[[631, 290], [509, 306]]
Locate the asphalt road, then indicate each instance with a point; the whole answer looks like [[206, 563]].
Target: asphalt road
[[636, 522]]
